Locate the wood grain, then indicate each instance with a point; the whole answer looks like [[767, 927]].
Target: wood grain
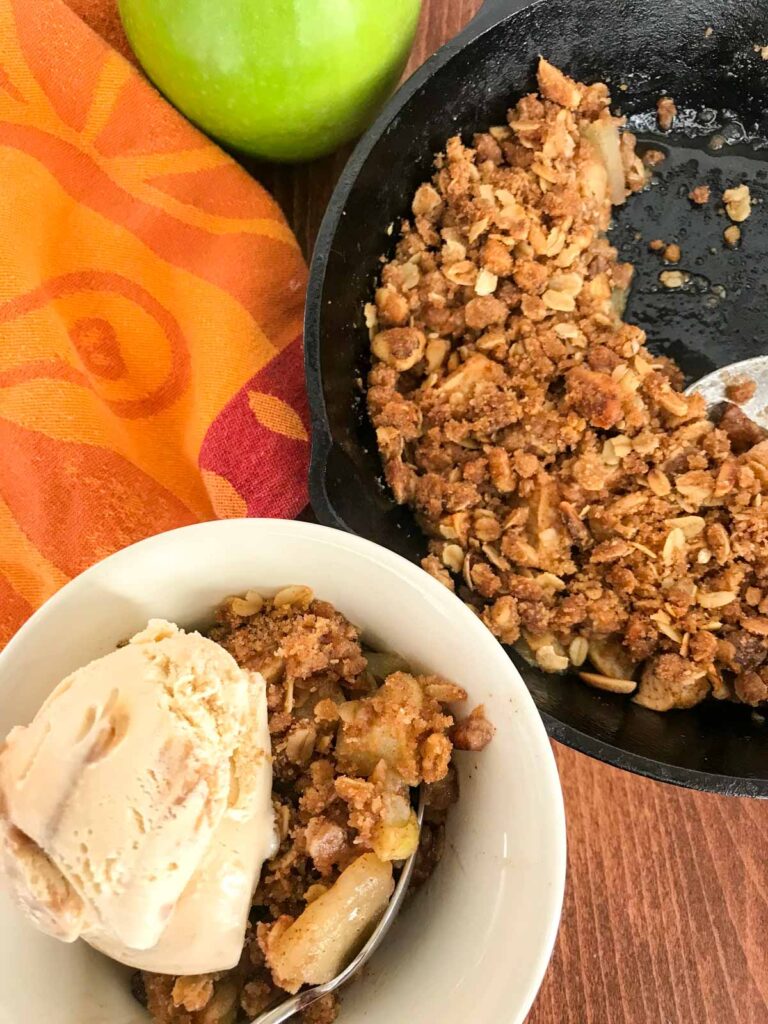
[[665, 918]]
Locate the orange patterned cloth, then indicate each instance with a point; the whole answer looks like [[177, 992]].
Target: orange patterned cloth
[[151, 297]]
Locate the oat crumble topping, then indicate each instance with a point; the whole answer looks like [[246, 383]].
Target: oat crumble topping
[[700, 195], [584, 506]]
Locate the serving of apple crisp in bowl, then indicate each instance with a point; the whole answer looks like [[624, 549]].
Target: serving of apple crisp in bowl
[[353, 730], [230, 800]]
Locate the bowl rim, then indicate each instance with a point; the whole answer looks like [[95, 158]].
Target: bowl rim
[[551, 797]]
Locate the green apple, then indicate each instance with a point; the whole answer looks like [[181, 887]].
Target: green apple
[[279, 79]]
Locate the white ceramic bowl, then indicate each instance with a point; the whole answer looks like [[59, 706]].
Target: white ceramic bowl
[[474, 945]]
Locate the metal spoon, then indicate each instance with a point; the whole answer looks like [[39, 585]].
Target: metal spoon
[[303, 999], [713, 387]]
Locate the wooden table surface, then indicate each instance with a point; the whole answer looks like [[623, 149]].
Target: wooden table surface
[[665, 919]]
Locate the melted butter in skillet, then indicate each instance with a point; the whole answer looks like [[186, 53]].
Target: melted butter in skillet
[[719, 315]]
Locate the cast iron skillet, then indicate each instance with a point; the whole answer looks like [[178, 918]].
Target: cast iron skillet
[[643, 48]]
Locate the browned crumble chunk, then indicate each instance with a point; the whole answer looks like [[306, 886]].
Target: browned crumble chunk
[[672, 253], [673, 278], [653, 157], [741, 391], [323, 1011], [699, 194], [193, 993], [474, 732], [584, 506], [666, 111], [738, 203], [741, 431]]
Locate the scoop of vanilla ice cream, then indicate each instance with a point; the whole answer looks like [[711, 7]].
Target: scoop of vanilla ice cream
[[136, 807]]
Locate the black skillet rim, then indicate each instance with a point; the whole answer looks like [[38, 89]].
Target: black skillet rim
[[492, 13]]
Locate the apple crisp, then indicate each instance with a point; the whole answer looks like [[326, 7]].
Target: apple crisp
[[572, 494], [352, 731]]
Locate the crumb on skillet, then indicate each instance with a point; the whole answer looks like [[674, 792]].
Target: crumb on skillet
[[666, 111], [653, 157], [700, 194], [738, 203], [673, 278]]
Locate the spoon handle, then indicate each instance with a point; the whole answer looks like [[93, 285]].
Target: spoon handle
[[282, 1012]]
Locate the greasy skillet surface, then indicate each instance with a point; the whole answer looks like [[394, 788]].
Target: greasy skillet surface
[[652, 47]]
